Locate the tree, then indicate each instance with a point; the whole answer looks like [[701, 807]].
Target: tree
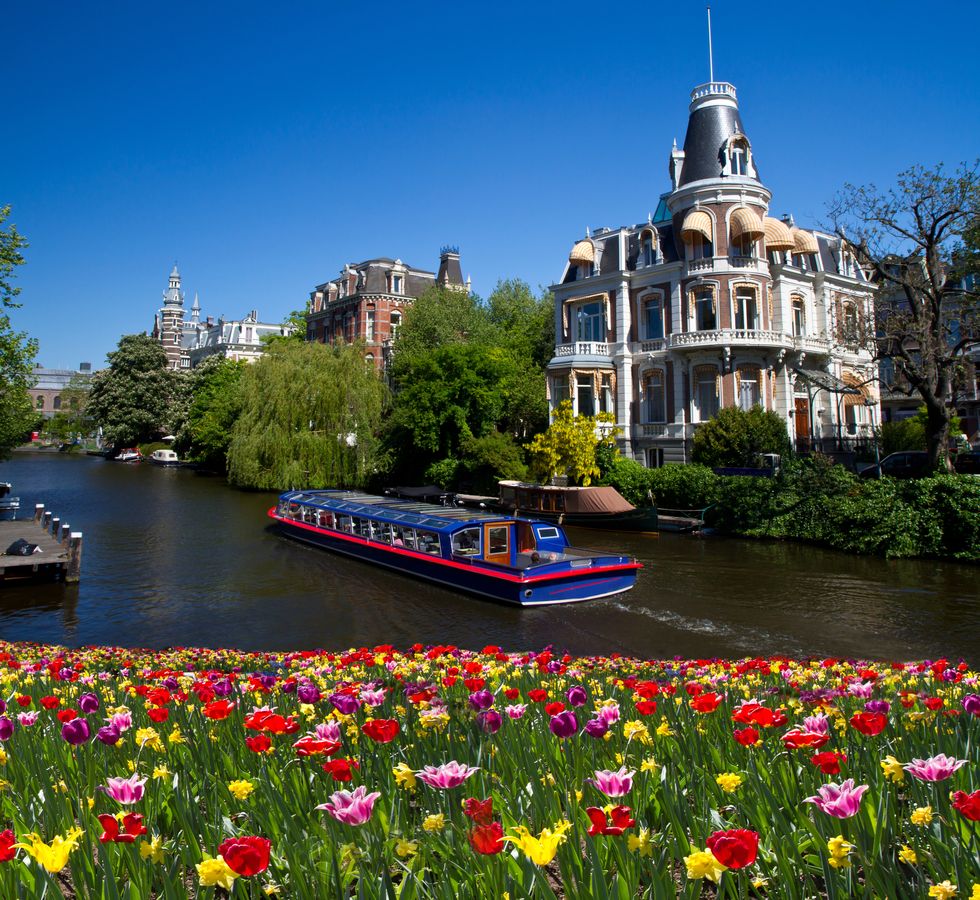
[[309, 418], [293, 329], [73, 420], [522, 322], [130, 400], [568, 447], [914, 238], [735, 437], [445, 397], [17, 350], [215, 406], [438, 316]]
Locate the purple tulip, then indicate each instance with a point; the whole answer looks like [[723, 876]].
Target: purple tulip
[[108, 734], [564, 725], [971, 703], [308, 693], [3, 706], [288, 687], [223, 687], [6, 728], [88, 703], [76, 731], [877, 706], [481, 700], [577, 695], [345, 703], [171, 683], [489, 720], [596, 728], [267, 681]]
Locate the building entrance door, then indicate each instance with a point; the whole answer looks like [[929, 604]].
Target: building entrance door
[[802, 418]]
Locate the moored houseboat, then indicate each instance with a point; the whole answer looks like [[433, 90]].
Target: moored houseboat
[[519, 561], [597, 506]]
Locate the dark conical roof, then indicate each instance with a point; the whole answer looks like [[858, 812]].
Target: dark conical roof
[[714, 119]]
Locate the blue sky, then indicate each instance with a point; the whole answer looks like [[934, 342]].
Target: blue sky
[[264, 146]]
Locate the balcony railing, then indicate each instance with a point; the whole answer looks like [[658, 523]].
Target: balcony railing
[[651, 346], [583, 348], [748, 262], [811, 344], [712, 88], [731, 337], [664, 430], [701, 265]]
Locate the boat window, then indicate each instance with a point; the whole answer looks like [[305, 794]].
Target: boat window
[[428, 542], [547, 534], [467, 542], [525, 538], [344, 523], [404, 537], [382, 532], [309, 514], [325, 519], [497, 538], [362, 527]]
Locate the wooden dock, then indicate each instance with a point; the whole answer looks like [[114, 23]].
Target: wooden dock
[[60, 556]]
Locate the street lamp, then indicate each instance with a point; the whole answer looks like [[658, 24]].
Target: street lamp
[[869, 402]]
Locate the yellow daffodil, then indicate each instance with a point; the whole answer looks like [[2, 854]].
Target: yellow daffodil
[[893, 769], [53, 856], [921, 815], [663, 729], [215, 872], [640, 843], [636, 731], [175, 737], [759, 882], [434, 822], [404, 848], [839, 849], [649, 764], [540, 850], [161, 772], [241, 790], [3, 757], [149, 737], [943, 891], [975, 893], [152, 850], [404, 776], [907, 855], [729, 782], [702, 864]]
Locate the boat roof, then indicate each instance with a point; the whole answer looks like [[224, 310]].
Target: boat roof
[[591, 499], [393, 510]]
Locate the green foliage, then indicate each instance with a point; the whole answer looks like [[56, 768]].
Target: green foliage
[[17, 351], [489, 459], [523, 323], [294, 326], [216, 405], [676, 486], [73, 421], [630, 478], [904, 434], [735, 437], [131, 399], [437, 317], [443, 473], [309, 418], [568, 447]]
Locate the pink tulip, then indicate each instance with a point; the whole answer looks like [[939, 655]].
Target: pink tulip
[[608, 713], [122, 721], [936, 768], [328, 731], [613, 784], [449, 775], [351, 808], [27, 719], [516, 710], [840, 801], [817, 724], [125, 790]]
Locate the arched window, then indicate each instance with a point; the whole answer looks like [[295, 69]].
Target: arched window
[[654, 397], [40, 401], [746, 308], [707, 384], [56, 403], [700, 247], [648, 248], [799, 316], [705, 309], [369, 325], [851, 324], [396, 323], [748, 387], [739, 157], [653, 317]]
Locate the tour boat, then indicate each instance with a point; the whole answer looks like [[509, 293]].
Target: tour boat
[[585, 507], [520, 561]]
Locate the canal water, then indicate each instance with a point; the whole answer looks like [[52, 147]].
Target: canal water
[[173, 558]]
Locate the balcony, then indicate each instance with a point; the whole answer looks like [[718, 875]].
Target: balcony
[[730, 337], [701, 265], [748, 263], [663, 430], [811, 344], [652, 346], [582, 348]]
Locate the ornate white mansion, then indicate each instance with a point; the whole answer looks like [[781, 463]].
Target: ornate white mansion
[[712, 303]]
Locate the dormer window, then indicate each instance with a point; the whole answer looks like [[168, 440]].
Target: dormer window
[[397, 284], [648, 249], [740, 158]]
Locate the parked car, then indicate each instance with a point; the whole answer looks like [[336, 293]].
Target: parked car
[[967, 463], [904, 464]]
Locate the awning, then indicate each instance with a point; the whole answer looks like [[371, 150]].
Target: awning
[[856, 384], [805, 242], [778, 235], [582, 252], [825, 381], [746, 222], [696, 222]]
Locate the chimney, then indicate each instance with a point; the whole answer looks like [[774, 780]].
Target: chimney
[[450, 272]]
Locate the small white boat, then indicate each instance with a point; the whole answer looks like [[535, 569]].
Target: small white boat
[[8, 505], [130, 454], [164, 458]]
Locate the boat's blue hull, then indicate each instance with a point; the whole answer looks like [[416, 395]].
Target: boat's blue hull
[[550, 584]]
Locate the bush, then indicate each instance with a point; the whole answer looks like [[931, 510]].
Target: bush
[[737, 438], [905, 434], [678, 486], [630, 478]]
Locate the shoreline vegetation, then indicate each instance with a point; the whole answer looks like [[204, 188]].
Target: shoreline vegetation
[[440, 772]]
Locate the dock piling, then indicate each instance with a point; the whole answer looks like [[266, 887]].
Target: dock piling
[[74, 570]]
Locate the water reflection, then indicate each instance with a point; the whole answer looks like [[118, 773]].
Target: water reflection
[[173, 558]]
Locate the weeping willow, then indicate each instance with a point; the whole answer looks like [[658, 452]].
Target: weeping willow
[[309, 419]]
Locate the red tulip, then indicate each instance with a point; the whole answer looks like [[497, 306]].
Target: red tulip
[[746, 736], [706, 703], [158, 714], [967, 805], [480, 811], [7, 841], [311, 746], [736, 848], [619, 820], [66, 715], [794, 739], [829, 761], [381, 730], [869, 723], [646, 707], [341, 769], [537, 695], [487, 839], [555, 707], [245, 855], [218, 709], [261, 743], [132, 828]]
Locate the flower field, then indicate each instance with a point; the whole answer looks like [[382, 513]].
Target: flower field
[[440, 772]]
